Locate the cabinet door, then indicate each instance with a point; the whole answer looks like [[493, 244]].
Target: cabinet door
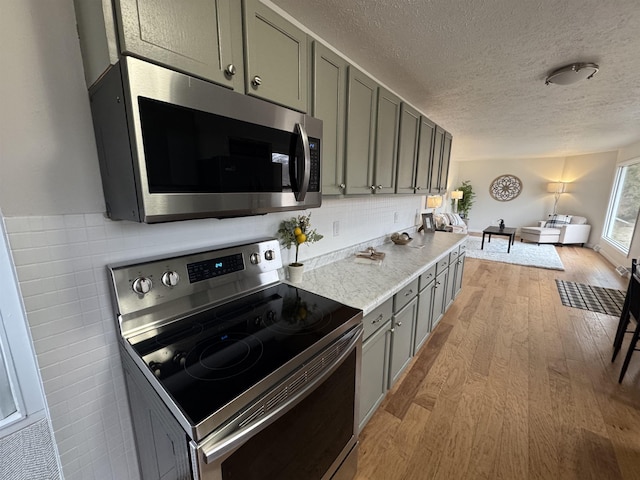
[[459, 273], [444, 163], [386, 155], [193, 37], [275, 56], [329, 105], [408, 149], [423, 320], [439, 297], [402, 339], [450, 293], [361, 114], [375, 365], [438, 138], [425, 155]]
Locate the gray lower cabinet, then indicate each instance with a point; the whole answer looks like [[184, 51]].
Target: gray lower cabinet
[[375, 365], [440, 292], [425, 308], [459, 271], [329, 105], [157, 30], [402, 339], [275, 57]]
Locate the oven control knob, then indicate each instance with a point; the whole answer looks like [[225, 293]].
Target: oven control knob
[[271, 316], [155, 368], [269, 255], [180, 359], [254, 258], [142, 285], [170, 279]]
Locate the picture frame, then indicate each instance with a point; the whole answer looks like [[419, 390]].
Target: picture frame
[[428, 223]]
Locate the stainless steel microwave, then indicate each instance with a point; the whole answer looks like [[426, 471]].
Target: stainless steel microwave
[[174, 147]]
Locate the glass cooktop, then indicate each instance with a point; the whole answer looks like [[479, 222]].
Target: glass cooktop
[[206, 360]]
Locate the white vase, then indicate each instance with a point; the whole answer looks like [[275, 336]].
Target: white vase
[[295, 272]]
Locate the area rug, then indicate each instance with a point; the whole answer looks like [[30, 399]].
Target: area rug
[[529, 254], [589, 297]]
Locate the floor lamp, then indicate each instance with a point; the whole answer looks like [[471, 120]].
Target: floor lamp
[[557, 188], [456, 195]]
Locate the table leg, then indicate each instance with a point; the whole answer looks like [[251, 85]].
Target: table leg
[[482, 245], [489, 239], [509, 243]]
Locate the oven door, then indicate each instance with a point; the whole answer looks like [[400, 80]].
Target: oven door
[[304, 428]]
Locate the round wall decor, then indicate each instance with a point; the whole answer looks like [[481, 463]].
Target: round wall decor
[[505, 188]]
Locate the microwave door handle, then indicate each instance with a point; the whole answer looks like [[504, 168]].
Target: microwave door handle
[[305, 172]]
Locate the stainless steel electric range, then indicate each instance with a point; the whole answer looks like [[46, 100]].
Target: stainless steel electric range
[[232, 374]]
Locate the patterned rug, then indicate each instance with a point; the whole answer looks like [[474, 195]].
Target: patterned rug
[[588, 297]]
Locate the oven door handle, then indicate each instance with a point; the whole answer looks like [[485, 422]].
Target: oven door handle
[[226, 442]]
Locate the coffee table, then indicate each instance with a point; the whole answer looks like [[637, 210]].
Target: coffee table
[[505, 232]]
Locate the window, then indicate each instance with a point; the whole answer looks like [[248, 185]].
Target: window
[[21, 398], [624, 206]]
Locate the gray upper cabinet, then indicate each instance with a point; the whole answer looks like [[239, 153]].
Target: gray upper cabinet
[[276, 60], [444, 162], [329, 105], [425, 155], [387, 127], [438, 139], [362, 101], [408, 149], [200, 37]]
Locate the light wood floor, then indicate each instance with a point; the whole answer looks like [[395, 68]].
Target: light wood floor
[[513, 385]]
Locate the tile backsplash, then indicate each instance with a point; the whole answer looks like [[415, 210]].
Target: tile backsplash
[[60, 263]]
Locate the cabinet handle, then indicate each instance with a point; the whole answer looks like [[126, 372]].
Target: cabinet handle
[[392, 330], [230, 70], [257, 81], [377, 319], [418, 188], [342, 186], [379, 187], [372, 187], [408, 293], [399, 324]]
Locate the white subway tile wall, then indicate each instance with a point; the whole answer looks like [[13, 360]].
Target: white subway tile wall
[[60, 263]]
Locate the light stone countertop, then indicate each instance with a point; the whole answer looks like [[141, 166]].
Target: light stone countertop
[[367, 286]]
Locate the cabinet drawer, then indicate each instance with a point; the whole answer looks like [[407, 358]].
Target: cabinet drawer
[[405, 295], [374, 320], [462, 249], [453, 256], [442, 265], [427, 277]]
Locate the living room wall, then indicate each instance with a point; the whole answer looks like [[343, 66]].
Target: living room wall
[[591, 177]]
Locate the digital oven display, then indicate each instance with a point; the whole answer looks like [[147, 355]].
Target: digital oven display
[[215, 267]]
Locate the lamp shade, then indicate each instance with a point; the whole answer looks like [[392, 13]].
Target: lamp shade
[[434, 201], [556, 187], [457, 194]]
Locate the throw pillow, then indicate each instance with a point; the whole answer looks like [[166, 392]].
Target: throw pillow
[[557, 221]]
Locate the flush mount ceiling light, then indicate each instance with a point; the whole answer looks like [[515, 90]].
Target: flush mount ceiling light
[[572, 73]]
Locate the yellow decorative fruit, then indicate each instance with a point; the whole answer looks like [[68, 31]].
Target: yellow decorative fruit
[[301, 238], [297, 231]]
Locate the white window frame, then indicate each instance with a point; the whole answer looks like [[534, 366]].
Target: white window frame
[[16, 348], [613, 207]]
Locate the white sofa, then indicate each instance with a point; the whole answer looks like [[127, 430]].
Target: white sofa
[[559, 229], [450, 222]]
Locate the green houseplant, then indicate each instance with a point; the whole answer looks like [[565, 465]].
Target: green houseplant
[[294, 232], [466, 202]]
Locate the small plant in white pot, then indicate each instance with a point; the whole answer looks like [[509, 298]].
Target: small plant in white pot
[[295, 232]]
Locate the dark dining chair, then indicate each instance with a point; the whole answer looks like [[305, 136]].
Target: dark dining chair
[[623, 324], [633, 299]]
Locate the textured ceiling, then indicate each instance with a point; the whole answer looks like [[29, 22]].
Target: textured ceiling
[[477, 67]]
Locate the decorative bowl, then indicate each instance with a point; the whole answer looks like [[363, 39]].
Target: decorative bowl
[[401, 238]]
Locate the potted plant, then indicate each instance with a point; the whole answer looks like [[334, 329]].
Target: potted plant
[[465, 203], [295, 232]]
